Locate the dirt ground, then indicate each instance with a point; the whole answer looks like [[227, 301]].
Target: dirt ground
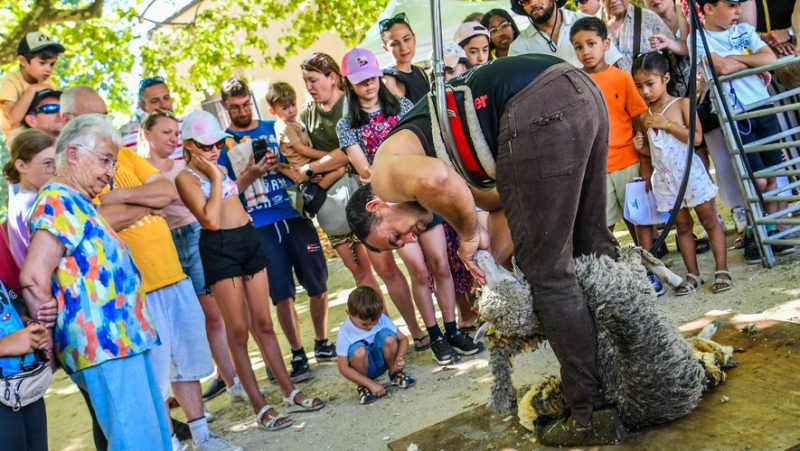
[[441, 392]]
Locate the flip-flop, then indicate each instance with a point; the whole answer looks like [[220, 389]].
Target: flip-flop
[[727, 284], [421, 347]]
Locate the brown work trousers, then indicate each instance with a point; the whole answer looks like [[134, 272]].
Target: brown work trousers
[[551, 177]]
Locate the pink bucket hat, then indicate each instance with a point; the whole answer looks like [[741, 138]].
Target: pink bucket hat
[[203, 127], [359, 65]]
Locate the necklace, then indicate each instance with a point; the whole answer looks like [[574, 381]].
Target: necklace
[[547, 38]]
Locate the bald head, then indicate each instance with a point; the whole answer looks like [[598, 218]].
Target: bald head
[[79, 100]]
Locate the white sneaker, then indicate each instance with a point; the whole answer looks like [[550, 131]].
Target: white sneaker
[[207, 413], [236, 393], [739, 218], [214, 443]]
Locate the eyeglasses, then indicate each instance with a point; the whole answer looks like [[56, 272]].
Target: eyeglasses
[[107, 162], [385, 24], [53, 108], [503, 26], [237, 108], [147, 82], [208, 147]]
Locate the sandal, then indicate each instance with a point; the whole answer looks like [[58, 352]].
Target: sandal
[[272, 424], [702, 245], [419, 345], [306, 405], [365, 395], [691, 284], [721, 284]]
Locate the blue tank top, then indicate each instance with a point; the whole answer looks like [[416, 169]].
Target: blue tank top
[[11, 322]]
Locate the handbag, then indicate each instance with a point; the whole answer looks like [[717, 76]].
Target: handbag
[[331, 216], [27, 387]]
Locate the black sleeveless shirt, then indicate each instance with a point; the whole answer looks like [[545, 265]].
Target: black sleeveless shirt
[[416, 82]]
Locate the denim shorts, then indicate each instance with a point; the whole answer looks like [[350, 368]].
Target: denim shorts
[[377, 363], [184, 354], [187, 242]]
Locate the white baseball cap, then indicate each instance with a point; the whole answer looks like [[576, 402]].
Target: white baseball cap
[[203, 127], [468, 30]]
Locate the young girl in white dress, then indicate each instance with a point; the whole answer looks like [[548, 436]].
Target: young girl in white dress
[[666, 123]]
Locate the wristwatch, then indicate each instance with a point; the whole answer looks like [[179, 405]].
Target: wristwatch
[[309, 171], [790, 30]]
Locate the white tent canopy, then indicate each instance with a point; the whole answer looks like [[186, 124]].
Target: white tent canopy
[[418, 13]]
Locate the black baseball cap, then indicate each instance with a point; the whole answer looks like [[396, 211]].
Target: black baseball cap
[[41, 95], [35, 41]]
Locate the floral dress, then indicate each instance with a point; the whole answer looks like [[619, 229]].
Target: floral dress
[[370, 136]]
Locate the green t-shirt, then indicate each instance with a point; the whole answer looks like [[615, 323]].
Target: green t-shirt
[[321, 125]]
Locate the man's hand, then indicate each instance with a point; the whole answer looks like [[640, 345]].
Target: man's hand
[[25, 341], [377, 389], [776, 37], [47, 313], [468, 248]]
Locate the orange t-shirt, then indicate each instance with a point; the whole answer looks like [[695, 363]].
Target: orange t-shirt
[[624, 104]]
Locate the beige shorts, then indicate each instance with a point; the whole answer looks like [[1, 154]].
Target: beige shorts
[[615, 192]]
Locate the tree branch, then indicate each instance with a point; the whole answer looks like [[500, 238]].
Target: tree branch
[[43, 13]]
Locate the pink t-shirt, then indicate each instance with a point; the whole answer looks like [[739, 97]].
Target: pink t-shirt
[[177, 213]]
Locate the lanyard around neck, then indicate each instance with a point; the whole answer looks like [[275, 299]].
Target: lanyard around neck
[[549, 39]]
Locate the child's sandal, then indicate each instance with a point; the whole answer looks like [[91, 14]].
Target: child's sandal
[[306, 405], [721, 284], [690, 285], [273, 423], [402, 380]]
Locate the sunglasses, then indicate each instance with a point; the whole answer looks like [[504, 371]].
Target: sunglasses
[[47, 109], [581, 2], [209, 147], [385, 24], [147, 82]]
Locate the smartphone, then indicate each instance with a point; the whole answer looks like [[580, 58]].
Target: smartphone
[[259, 149]]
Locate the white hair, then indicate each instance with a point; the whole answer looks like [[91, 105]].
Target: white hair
[[85, 130], [71, 96]]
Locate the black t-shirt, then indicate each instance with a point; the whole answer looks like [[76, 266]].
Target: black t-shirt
[[416, 82], [492, 85], [780, 15]]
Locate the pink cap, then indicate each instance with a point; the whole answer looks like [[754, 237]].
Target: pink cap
[[359, 65], [468, 30], [203, 127]]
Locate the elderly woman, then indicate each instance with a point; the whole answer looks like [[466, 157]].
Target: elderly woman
[[80, 278]]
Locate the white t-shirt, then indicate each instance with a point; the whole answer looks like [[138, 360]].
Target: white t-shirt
[[740, 39], [531, 40], [349, 333]]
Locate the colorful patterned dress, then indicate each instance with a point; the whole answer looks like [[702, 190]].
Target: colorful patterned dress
[[371, 135], [102, 311]]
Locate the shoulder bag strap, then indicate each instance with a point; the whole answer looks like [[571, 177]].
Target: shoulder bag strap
[[637, 31]]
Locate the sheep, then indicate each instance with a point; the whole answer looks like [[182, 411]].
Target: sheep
[[645, 366]]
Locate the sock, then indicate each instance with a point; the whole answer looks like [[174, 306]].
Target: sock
[[199, 428], [450, 328], [299, 352], [321, 342], [435, 332], [176, 444]]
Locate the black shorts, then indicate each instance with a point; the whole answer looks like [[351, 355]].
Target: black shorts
[[230, 253], [757, 128], [293, 244]]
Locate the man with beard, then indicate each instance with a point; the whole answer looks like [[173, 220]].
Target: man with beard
[[289, 240], [551, 189], [44, 113], [549, 31]]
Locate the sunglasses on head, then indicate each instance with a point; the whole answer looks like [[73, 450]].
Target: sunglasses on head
[[147, 82], [46, 109], [385, 24]]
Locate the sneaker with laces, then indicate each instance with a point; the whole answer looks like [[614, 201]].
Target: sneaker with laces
[[781, 249], [365, 395], [402, 380], [739, 218], [442, 352], [300, 370], [657, 287], [216, 388], [208, 415], [236, 393], [463, 344], [324, 350], [752, 255], [214, 443]]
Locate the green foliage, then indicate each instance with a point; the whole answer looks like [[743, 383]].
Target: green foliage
[[196, 56]]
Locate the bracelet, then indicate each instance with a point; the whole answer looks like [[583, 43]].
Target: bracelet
[[669, 124], [32, 322]]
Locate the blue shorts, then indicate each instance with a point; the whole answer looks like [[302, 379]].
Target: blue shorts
[[377, 363], [293, 244], [187, 242]]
